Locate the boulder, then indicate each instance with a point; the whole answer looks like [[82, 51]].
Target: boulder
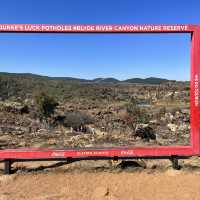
[[145, 132], [141, 126], [15, 108], [172, 127], [154, 122], [90, 129], [169, 117], [4, 140], [100, 134]]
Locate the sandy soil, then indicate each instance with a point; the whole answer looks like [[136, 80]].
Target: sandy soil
[[102, 181]]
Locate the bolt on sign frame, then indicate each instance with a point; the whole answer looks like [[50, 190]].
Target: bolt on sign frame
[[119, 152]]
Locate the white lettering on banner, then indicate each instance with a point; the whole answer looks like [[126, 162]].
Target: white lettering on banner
[[92, 28], [175, 28], [56, 28], [8, 27], [32, 28], [127, 152], [150, 28], [83, 28], [93, 153], [196, 90], [104, 28], [104, 153], [126, 28]]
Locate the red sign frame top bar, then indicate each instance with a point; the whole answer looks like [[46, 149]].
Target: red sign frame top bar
[[158, 151], [90, 28]]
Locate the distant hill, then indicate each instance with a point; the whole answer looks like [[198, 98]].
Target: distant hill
[[24, 85], [36, 76], [23, 75], [105, 80], [69, 79], [150, 80]]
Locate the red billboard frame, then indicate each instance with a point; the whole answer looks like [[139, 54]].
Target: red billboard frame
[[120, 152]]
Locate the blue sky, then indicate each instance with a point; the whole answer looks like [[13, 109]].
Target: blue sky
[[100, 55]]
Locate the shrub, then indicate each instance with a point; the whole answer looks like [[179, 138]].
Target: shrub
[[45, 105], [77, 119], [132, 107], [135, 114], [161, 112]]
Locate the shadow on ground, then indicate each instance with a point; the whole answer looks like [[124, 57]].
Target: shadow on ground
[[150, 166]]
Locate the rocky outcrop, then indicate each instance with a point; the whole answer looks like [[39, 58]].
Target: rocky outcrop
[[14, 107], [144, 131]]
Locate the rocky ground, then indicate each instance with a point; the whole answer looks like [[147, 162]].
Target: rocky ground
[[92, 114], [22, 130]]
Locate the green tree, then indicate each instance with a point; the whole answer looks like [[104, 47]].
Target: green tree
[[45, 105]]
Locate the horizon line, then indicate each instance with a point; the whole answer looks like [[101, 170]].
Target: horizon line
[[100, 77]]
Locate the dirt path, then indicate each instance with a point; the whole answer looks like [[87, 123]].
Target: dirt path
[[103, 185], [151, 184]]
